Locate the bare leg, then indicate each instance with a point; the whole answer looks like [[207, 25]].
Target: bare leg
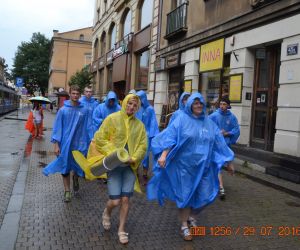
[[66, 181], [110, 205], [220, 180], [123, 213], [184, 214]]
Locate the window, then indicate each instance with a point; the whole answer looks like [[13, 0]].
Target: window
[[127, 24], [113, 33], [81, 37], [103, 44], [177, 3], [95, 50], [146, 13], [87, 58], [142, 70]]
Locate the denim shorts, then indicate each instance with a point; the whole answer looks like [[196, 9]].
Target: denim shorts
[[120, 182]]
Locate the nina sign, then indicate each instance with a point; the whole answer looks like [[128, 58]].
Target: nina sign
[[211, 55]]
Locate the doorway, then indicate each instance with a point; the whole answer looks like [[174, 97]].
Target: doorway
[[265, 92], [120, 88]]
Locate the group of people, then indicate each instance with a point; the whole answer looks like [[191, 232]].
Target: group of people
[[188, 155]]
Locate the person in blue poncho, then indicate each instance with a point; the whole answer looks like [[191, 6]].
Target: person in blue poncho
[[188, 154], [181, 103], [90, 103], [147, 115], [69, 133], [103, 110], [228, 124]]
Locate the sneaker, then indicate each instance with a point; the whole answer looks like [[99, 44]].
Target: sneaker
[[192, 222], [67, 197], [75, 184], [222, 193], [186, 234]]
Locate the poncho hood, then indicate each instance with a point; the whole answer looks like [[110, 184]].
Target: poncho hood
[[189, 103]]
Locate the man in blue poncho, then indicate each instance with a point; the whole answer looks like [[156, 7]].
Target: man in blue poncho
[[181, 103], [228, 124], [103, 110], [189, 154], [69, 133], [90, 103], [147, 115]]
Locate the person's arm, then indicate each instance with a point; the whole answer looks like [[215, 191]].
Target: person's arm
[[162, 159], [56, 149]]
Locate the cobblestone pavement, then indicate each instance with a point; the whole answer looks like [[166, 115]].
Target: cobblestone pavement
[[13, 139], [252, 215]]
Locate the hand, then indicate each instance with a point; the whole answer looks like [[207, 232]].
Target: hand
[[230, 168], [131, 161], [162, 161], [56, 149]]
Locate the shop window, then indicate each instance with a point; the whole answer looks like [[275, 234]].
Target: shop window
[[142, 71], [127, 23], [146, 13]]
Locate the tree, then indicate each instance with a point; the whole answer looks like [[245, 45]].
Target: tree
[[82, 78], [31, 62]]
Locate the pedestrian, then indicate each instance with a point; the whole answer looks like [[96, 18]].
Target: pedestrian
[[228, 124], [51, 107], [104, 109], [121, 130], [38, 116], [69, 133], [189, 154], [147, 115], [90, 104], [181, 103]]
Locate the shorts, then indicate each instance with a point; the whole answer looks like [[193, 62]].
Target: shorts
[[120, 182], [37, 122]]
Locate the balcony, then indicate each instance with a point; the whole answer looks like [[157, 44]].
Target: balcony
[[177, 21]]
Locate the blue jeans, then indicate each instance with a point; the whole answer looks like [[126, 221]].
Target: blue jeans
[[120, 182]]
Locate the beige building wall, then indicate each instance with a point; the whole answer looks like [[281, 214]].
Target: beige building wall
[[70, 52]]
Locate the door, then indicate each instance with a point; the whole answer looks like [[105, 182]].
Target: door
[[119, 89], [264, 105]]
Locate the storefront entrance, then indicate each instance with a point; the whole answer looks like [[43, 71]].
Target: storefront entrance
[[264, 105], [175, 88]]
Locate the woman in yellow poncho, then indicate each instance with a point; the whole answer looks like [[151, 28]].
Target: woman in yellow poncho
[[121, 130]]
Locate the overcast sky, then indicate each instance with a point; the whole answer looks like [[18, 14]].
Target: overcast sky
[[21, 18]]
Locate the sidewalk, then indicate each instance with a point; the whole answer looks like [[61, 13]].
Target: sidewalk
[[49, 223]]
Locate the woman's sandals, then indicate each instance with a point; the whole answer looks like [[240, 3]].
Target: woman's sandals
[[123, 237], [106, 220], [186, 234]]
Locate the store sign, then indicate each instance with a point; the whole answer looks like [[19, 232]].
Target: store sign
[[292, 49], [188, 86], [172, 61], [211, 56], [235, 87], [159, 64]]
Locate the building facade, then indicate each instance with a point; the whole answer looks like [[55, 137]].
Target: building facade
[[248, 50], [70, 52], [124, 46]]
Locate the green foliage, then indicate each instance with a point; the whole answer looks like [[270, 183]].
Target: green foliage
[[82, 78], [31, 62]]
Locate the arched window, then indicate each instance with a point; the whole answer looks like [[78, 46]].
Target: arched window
[[81, 37], [103, 43], [95, 50], [146, 12], [127, 23], [113, 34]]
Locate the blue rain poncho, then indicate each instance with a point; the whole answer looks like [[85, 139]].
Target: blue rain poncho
[[197, 153], [147, 115], [69, 131], [181, 107], [104, 109], [228, 122], [90, 105]]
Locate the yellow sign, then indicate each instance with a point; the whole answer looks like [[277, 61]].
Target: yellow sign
[[211, 56], [188, 86], [235, 88]]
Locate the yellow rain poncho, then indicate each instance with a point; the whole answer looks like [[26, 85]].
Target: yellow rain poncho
[[117, 130]]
